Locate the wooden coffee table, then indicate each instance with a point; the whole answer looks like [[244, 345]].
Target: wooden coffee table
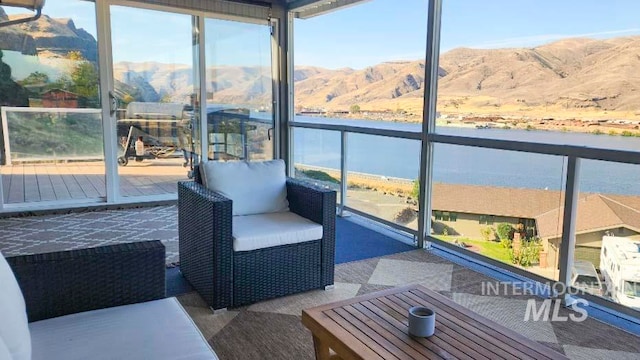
[[374, 326]]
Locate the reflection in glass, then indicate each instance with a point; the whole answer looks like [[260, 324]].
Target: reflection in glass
[[157, 99], [239, 90], [51, 139]]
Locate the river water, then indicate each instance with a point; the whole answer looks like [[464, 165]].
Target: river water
[[394, 157]]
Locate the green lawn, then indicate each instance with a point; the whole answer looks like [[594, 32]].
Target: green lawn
[[490, 249]]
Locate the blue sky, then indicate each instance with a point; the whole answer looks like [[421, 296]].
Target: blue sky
[[363, 35]]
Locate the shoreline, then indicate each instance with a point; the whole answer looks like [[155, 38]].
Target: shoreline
[[356, 180], [505, 122]]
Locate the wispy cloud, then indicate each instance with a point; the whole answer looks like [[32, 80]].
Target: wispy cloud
[[545, 38]]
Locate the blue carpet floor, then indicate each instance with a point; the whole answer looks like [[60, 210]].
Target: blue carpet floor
[[353, 242]]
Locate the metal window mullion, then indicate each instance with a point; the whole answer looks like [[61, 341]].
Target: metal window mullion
[[204, 122], [109, 131], [425, 178], [567, 246], [287, 142], [276, 82], [343, 171]]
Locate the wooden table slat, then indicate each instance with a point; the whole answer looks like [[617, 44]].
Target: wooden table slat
[[441, 338], [388, 333], [330, 333], [400, 330], [377, 343], [458, 330], [375, 326], [486, 332], [533, 348]]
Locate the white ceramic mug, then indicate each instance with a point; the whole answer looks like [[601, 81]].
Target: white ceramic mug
[[422, 321]]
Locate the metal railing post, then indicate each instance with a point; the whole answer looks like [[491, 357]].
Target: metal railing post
[[567, 246]]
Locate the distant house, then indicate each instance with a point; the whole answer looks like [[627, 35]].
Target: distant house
[[597, 215], [466, 209], [58, 98]]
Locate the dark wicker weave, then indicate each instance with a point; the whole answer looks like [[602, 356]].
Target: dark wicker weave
[[225, 278], [67, 282]]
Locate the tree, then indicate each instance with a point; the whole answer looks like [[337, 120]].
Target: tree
[[354, 109], [11, 93], [75, 56], [415, 192], [35, 78], [486, 232], [84, 79], [505, 231]]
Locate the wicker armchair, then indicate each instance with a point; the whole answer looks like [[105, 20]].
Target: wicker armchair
[[67, 282], [228, 278]]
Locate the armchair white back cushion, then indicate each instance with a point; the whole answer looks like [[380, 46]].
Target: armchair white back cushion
[[14, 327], [255, 187]]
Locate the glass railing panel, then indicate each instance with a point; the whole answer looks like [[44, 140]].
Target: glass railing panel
[[316, 157], [502, 205], [607, 243], [381, 177], [52, 154]]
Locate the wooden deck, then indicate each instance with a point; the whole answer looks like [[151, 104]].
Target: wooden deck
[[23, 183]]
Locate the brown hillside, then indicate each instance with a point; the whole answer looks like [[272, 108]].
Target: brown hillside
[[572, 78], [580, 73]]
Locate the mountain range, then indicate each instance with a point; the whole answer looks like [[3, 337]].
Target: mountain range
[[576, 73]]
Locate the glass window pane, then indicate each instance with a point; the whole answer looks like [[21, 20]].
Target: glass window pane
[[607, 244], [374, 72], [51, 148], [381, 177], [316, 157], [239, 90], [503, 205], [156, 96], [560, 76]]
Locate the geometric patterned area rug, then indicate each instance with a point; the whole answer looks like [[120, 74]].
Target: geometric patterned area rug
[[56, 232], [272, 329]]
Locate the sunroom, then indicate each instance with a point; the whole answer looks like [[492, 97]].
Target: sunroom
[[469, 144]]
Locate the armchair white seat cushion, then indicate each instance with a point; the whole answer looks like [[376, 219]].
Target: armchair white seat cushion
[[158, 329], [251, 232], [255, 187], [14, 329]]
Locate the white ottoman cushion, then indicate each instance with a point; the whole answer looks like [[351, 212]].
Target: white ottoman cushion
[[252, 232], [255, 187], [155, 330], [14, 328], [4, 352]]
